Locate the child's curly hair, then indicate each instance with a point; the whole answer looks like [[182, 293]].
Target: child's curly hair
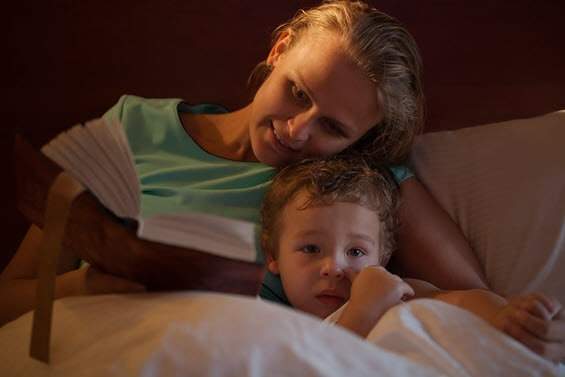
[[328, 181]]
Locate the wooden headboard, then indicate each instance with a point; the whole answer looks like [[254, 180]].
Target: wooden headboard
[[68, 61]]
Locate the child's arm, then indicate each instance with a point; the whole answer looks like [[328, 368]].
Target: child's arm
[[373, 291], [18, 281]]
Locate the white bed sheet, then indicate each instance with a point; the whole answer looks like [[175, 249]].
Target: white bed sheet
[[207, 334]]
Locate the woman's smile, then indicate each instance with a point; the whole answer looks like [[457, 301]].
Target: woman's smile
[[280, 140]]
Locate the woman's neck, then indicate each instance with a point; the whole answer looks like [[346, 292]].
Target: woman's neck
[[223, 135]]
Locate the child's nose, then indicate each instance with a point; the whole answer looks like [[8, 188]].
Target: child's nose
[[332, 268]]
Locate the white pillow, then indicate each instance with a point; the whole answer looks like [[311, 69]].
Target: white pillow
[[504, 184], [193, 334]]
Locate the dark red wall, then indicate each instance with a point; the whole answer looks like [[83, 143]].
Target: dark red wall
[[68, 61]]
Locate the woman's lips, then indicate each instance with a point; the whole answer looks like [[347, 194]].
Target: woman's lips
[[280, 143]]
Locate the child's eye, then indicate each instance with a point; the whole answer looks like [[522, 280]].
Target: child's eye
[[310, 249], [299, 94], [356, 252]]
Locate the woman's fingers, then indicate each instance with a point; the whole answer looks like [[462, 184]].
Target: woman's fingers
[[552, 305], [98, 282], [554, 351], [534, 304], [539, 323], [550, 331]]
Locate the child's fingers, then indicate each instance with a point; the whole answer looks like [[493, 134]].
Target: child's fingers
[[407, 291], [350, 274]]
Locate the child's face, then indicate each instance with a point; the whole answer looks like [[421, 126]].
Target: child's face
[[317, 245]]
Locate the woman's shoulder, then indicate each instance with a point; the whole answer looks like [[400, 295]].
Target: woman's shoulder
[[130, 105], [401, 173]]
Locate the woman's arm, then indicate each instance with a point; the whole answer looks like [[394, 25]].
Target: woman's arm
[[431, 245], [533, 319], [18, 281]]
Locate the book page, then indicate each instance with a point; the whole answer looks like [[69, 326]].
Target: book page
[[56, 152], [110, 145], [65, 154], [79, 152], [216, 235], [107, 182]]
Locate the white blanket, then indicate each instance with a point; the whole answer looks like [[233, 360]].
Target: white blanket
[[200, 334]]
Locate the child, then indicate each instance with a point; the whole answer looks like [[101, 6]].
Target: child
[[328, 231]]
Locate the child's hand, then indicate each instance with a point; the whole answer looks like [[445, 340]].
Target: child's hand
[[375, 290], [537, 321], [90, 281]]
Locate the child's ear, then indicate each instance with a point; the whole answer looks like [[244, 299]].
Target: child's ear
[[272, 265]]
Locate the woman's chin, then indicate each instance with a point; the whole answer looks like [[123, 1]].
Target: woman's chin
[[270, 151], [267, 155]]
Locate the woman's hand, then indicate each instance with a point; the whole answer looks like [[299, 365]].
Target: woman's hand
[[537, 321], [375, 290], [91, 281]]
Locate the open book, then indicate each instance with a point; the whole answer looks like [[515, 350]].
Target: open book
[[169, 251], [98, 155]]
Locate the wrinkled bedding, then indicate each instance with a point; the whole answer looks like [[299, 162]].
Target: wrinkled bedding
[[197, 333]]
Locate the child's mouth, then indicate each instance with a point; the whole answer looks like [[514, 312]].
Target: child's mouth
[[330, 300]]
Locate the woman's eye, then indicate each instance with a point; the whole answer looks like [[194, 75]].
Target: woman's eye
[[299, 94], [356, 252], [332, 129], [310, 249]]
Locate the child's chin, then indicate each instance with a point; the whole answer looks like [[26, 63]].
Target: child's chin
[[326, 311]]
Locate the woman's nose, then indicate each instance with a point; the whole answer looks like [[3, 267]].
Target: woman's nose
[[300, 127], [332, 268]]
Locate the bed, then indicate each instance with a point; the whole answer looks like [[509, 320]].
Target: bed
[[477, 72]]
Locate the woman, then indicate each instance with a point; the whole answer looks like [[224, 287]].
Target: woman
[[340, 78]]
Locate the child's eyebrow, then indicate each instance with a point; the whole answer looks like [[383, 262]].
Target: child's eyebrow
[[364, 237], [309, 232]]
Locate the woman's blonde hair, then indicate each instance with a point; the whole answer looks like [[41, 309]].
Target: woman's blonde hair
[[383, 48]]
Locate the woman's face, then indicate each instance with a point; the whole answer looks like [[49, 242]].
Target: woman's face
[[316, 102]]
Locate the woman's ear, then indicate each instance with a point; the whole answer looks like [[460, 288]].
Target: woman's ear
[[279, 48]]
